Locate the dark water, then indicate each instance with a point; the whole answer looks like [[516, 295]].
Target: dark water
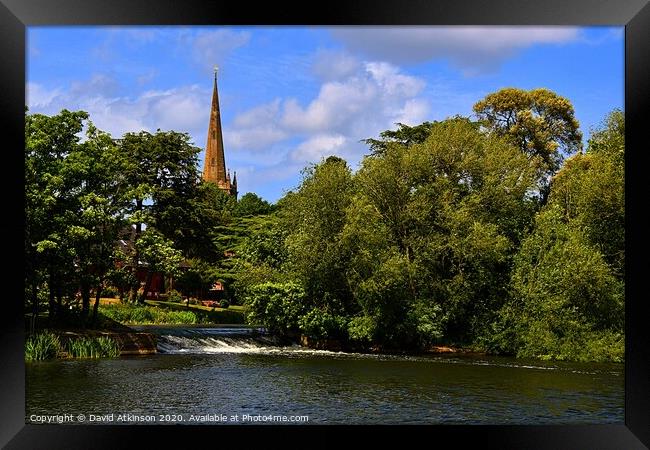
[[216, 376]]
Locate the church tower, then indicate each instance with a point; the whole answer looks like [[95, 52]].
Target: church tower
[[214, 165]]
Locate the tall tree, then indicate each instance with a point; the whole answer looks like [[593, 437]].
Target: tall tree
[[48, 141], [313, 218], [568, 279], [540, 122], [432, 227], [163, 176]]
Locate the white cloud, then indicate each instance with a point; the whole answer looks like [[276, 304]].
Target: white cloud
[[258, 115], [414, 112], [255, 138], [317, 147], [39, 97], [367, 101], [473, 49], [183, 109]]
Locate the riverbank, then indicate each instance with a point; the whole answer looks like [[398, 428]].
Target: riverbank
[[114, 323]]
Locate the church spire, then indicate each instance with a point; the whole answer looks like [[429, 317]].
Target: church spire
[[214, 166]]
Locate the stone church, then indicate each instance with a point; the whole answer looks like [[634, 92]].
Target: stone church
[[214, 166]]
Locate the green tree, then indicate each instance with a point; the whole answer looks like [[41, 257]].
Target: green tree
[[568, 279], [162, 175], [432, 228], [405, 135], [251, 205], [540, 122], [591, 190], [314, 217], [566, 302]]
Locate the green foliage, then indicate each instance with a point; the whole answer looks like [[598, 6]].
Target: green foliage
[[540, 122], [565, 296], [313, 219], [174, 296], [47, 345], [158, 252], [251, 204], [93, 347], [277, 306], [42, 346], [568, 279], [318, 323], [362, 329], [477, 233], [590, 189], [224, 304]]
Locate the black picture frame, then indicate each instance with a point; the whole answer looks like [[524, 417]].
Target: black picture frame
[[16, 15]]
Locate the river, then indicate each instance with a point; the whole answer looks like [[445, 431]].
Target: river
[[223, 376]]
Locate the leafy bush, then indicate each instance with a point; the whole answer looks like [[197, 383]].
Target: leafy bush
[[362, 329], [110, 291], [42, 346], [277, 306], [566, 304], [323, 324], [426, 321], [174, 296], [93, 347]]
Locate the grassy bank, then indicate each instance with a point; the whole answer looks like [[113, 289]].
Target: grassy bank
[[168, 313]]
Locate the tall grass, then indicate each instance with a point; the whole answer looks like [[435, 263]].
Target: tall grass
[[46, 345], [93, 347], [42, 346]]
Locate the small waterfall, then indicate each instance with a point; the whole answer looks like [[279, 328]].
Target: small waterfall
[[242, 340], [213, 340]]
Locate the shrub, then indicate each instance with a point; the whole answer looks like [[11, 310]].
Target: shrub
[[362, 329], [110, 291], [42, 346], [277, 306], [174, 296], [322, 324]]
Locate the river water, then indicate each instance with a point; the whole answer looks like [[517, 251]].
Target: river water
[[224, 376]]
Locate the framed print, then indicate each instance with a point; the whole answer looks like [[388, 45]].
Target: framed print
[[378, 218]]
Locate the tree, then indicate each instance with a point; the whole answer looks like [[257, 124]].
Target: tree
[[591, 190], [251, 205], [405, 135], [431, 229], [568, 279], [539, 122], [48, 141], [566, 303], [313, 219], [162, 176], [94, 171]]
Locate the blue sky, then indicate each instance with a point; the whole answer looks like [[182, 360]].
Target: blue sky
[[292, 95]]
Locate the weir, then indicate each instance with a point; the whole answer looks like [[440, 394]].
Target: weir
[[231, 339], [224, 339]]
